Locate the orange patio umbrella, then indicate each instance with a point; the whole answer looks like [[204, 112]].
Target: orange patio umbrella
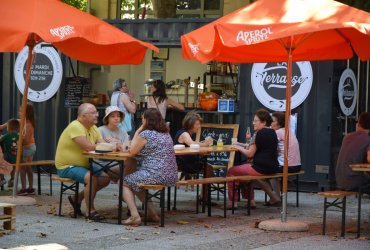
[[75, 33], [283, 30]]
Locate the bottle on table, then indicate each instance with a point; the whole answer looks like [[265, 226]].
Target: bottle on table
[[248, 137], [220, 143]]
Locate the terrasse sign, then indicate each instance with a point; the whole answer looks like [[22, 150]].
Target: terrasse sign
[[347, 92], [269, 83], [46, 72]]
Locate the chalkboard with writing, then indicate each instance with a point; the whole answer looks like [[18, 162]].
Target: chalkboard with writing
[[76, 88], [227, 131]]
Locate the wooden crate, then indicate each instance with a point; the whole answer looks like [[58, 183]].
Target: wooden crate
[[7, 216]]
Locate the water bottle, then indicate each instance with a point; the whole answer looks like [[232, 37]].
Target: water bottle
[[220, 143], [248, 137]]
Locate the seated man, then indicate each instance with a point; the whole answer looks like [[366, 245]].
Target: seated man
[[79, 136], [355, 149]]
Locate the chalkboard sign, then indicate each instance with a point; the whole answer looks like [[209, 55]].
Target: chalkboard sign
[[227, 132], [76, 88]]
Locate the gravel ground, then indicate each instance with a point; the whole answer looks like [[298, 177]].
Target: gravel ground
[[39, 224]]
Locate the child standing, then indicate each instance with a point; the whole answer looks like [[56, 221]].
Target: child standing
[[29, 150], [10, 144]]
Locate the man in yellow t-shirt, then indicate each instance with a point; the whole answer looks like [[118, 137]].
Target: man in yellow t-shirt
[[79, 136]]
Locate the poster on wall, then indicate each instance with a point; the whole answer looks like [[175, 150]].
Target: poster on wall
[[76, 88], [269, 83], [347, 92], [46, 72]]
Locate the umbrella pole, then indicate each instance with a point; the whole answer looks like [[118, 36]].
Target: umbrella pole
[[286, 138], [31, 44]]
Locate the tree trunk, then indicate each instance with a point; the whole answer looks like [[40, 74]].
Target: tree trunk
[[164, 8]]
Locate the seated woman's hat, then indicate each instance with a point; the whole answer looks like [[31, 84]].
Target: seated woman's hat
[[109, 110]]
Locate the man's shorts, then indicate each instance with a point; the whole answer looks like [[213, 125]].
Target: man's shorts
[[77, 173]]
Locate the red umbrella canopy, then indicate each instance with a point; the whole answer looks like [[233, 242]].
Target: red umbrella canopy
[[74, 32], [265, 30]]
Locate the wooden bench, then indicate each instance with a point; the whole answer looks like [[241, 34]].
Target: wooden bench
[[249, 178], [224, 180], [71, 185], [158, 194], [339, 202], [43, 166], [7, 217]]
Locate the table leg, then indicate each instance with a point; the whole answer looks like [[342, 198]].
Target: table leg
[[120, 192]]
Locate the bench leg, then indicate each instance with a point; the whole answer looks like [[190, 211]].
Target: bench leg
[[168, 198], [297, 191], [50, 182], [162, 195], [174, 198], [249, 188], [344, 200], [146, 207], [209, 203], [324, 217], [60, 198], [76, 188], [359, 213], [38, 180], [233, 199]]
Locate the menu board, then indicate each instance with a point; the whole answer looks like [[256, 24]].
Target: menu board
[[76, 88], [227, 131]]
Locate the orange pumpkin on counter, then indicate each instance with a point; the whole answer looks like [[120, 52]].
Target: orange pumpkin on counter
[[208, 101]]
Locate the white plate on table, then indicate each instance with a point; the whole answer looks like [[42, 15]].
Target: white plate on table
[[179, 147]]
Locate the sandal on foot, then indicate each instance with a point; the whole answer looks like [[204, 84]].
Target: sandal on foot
[[275, 204], [79, 212], [131, 221], [154, 219], [95, 216]]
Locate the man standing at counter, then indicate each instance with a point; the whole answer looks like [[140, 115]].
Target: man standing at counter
[[355, 149], [79, 136]]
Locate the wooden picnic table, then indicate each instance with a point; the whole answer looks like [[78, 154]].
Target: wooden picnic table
[[365, 168], [121, 156]]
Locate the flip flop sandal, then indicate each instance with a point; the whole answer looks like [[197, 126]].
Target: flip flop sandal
[[269, 204], [95, 216], [79, 212]]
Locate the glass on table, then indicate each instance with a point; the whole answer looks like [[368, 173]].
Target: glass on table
[[234, 140]]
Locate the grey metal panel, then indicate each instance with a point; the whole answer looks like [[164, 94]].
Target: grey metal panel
[[160, 32]]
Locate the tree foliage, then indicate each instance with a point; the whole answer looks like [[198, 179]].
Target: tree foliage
[[79, 4]]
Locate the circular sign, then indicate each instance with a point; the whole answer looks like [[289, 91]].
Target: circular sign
[[347, 92], [269, 83], [46, 72]]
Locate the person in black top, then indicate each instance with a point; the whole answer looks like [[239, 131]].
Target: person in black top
[[191, 164], [263, 150]]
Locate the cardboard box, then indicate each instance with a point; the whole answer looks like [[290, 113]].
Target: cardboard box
[[226, 105]]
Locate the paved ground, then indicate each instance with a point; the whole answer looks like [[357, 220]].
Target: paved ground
[[184, 229]]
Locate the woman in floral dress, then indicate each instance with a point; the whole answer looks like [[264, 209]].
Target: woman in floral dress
[[158, 166]]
